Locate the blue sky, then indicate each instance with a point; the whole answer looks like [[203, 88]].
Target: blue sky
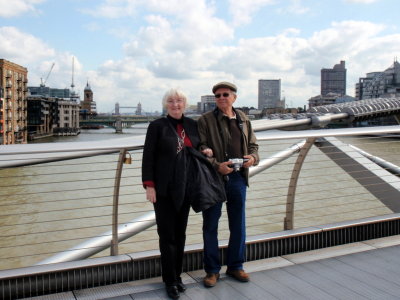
[[132, 51]]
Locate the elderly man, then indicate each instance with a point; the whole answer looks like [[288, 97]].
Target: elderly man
[[228, 132]]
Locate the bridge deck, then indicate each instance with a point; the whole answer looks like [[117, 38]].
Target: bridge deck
[[365, 270]]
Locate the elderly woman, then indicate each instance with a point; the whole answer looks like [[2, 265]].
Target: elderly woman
[[164, 139]]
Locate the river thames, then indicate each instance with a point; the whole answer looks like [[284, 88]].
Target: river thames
[[51, 207]]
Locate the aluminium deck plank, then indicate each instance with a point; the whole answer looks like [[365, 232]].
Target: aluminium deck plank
[[365, 278], [297, 283], [375, 265], [332, 288], [275, 287], [323, 268]]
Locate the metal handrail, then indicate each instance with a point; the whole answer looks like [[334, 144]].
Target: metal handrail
[[49, 152]]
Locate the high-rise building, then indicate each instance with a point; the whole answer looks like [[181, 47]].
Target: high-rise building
[[13, 104], [207, 103], [269, 94], [380, 84], [334, 80]]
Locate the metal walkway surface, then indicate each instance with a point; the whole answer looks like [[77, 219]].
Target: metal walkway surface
[[364, 270]]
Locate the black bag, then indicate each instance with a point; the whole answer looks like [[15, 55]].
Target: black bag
[[195, 180]]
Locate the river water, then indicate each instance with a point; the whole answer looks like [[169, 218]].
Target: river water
[[51, 207]]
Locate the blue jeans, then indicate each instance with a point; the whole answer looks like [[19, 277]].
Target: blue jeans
[[235, 189]]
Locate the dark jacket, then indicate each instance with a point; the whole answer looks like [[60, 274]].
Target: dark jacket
[[210, 137], [198, 181], [185, 176], [160, 151]]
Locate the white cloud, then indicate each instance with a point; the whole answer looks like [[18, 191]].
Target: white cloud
[[243, 10], [114, 9], [35, 55], [184, 44], [22, 47], [159, 58], [14, 8]]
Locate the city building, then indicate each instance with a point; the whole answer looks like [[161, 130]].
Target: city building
[[68, 117], [334, 80], [13, 105], [380, 84], [139, 109], [42, 116], [207, 103], [330, 98], [88, 106], [52, 116], [48, 92], [269, 94]]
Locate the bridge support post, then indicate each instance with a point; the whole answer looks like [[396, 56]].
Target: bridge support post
[[288, 220], [117, 183]]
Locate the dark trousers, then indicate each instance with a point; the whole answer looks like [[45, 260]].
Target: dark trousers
[[171, 228], [236, 199]]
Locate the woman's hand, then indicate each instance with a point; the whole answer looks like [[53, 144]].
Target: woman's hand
[[207, 152], [151, 194]]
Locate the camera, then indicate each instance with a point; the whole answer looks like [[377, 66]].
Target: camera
[[237, 163]]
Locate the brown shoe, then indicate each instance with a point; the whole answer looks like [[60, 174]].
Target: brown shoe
[[239, 275], [211, 279]]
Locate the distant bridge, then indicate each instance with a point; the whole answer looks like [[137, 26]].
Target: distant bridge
[[117, 121]]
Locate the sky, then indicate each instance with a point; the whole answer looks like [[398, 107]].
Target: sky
[[133, 51]]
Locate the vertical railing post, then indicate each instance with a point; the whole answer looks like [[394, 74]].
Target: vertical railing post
[[117, 183], [288, 221]]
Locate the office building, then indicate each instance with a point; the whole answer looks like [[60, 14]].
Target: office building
[[380, 84], [13, 105], [269, 94], [334, 80], [207, 103], [46, 91], [42, 116], [330, 98]]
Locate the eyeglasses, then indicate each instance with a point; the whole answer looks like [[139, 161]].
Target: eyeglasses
[[175, 101], [224, 95]]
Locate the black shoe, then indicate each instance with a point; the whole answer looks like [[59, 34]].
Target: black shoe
[[172, 291], [181, 287]]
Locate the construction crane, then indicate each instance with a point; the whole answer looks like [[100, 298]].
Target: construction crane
[[43, 83]]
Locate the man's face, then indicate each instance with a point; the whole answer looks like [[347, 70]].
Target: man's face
[[224, 98]]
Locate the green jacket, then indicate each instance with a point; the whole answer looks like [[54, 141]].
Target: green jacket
[[211, 138]]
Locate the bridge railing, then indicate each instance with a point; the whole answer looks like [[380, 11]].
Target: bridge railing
[[60, 195]]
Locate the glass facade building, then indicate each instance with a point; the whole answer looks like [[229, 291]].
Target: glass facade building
[[334, 80], [269, 94]]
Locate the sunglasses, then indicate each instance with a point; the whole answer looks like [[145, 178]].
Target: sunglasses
[[224, 95]]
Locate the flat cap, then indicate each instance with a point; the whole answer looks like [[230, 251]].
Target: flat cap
[[224, 84]]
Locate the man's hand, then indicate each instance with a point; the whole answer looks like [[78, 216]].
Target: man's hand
[[250, 162], [224, 168], [151, 194]]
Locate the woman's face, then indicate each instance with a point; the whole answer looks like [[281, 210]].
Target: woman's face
[[175, 107]]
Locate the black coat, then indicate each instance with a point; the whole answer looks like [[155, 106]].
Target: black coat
[[160, 151], [185, 176]]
